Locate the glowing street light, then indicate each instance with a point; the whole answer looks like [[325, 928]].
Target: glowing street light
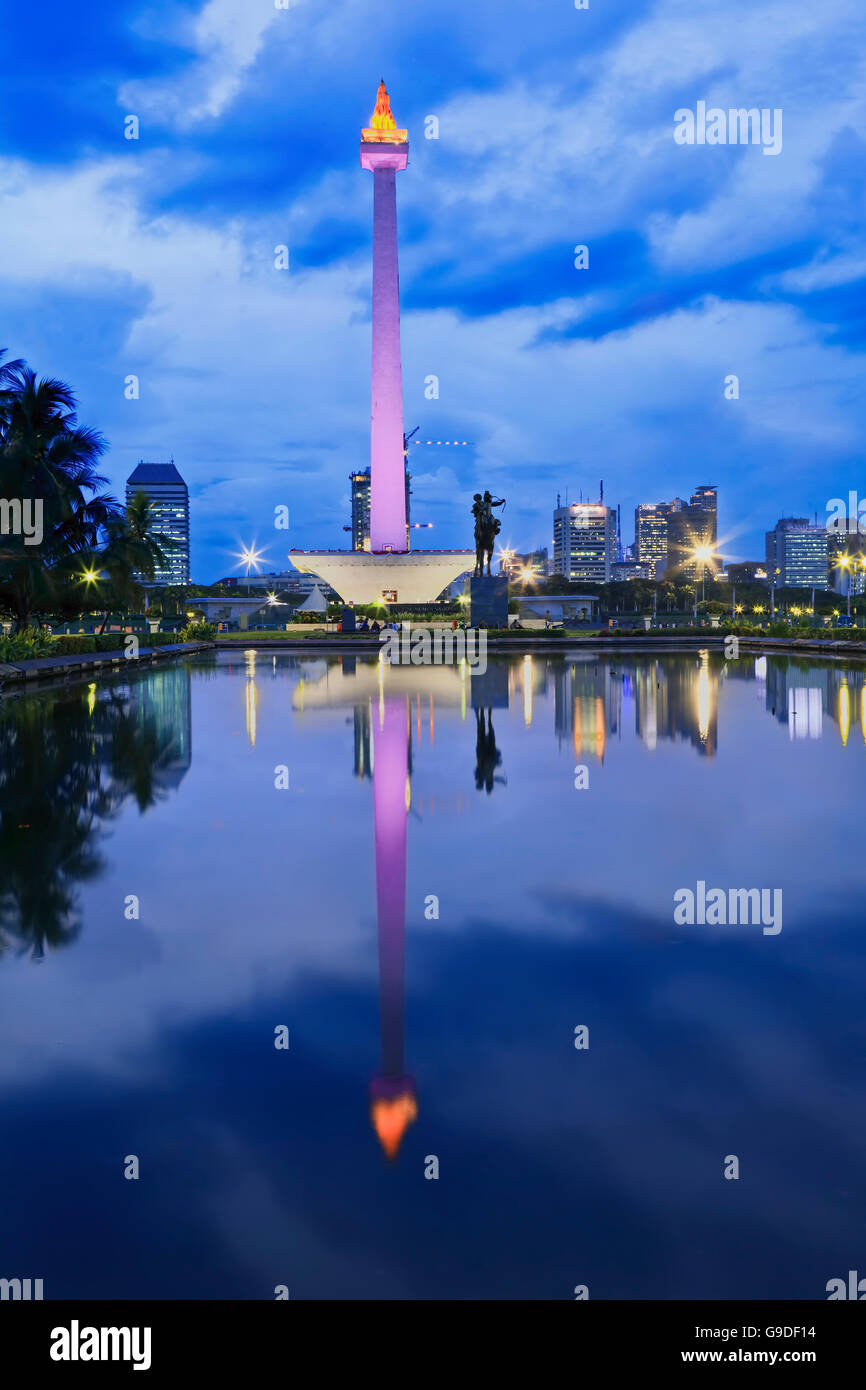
[[702, 554], [250, 557]]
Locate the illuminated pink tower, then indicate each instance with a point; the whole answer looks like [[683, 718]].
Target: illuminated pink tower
[[388, 572], [384, 150]]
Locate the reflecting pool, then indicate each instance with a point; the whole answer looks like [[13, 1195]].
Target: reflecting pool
[[509, 1070]]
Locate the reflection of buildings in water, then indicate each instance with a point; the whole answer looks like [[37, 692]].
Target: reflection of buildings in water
[[678, 697], [362, 719], [800, 695], [393, 1098], [587, 704], [162, 700]]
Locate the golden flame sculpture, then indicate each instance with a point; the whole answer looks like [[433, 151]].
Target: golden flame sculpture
[[382, 129]]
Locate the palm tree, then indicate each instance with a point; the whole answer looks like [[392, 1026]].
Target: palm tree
[[132, 550], [47, 459]]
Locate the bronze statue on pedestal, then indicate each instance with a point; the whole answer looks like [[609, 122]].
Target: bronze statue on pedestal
[[487, 528]]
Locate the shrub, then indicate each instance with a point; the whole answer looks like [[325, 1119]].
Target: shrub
[[23, 645], [87, 643], [198, 632]]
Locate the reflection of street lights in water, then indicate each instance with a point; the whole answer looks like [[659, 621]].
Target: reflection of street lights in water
[[251, 695], [704, 698], [527, 690], [844, 713]]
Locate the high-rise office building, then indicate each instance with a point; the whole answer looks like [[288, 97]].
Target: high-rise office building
[[360, 528], [169, 510], [797, 552], [515, 565], [651, 537], [691, 529], [845, 578], [630, 569], [747, 571], [584, 541], [706, 499]]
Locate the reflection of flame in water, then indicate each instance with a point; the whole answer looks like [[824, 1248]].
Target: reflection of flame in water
[[844, 713], [704, 701], [527, 690], [91, 697], [391, 1119]]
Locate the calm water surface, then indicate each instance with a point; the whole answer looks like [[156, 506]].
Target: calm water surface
[[431, 908]]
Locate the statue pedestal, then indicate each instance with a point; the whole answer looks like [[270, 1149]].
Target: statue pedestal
[[488, 601]]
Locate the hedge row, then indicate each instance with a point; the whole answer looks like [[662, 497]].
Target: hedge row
[[23, 646]]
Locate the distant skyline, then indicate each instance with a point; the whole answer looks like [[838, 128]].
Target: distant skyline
[[155, 257]]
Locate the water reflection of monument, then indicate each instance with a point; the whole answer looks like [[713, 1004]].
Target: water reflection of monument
[[383, 700], [393, 1100]]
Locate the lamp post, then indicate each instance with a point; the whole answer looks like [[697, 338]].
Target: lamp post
[[250, 557], [703, 553], [844, 563]]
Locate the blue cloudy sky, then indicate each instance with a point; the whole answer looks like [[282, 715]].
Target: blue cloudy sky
[[156, 256]]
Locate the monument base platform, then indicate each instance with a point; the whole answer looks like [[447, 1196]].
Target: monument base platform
[[488, 600], [361, 576]]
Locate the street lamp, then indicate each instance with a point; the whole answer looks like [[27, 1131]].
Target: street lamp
[[250, 557], [703, 553], [851, 564]]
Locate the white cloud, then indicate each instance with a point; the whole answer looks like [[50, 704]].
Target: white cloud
[[226, 37]]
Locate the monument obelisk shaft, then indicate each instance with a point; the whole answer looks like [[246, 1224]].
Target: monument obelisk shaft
[[384, 150], [392, 572]]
